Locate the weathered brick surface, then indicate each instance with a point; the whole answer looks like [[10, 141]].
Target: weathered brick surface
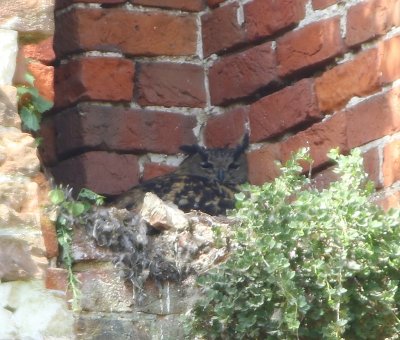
[[389, 52], [391, 163], [389, 200], [321, 4], [103, 172], [214, 3], [42, 51], [320, 138], [59, 4], [241, 74], [98, 78], [374, 118], [49, 236], [44, 79], [56, 279], [372, 166], [262, 164], [226, 129], [358, 77], [152, 170], [221, 30], [266, 17], [170, 84], [324, 178], [129, 130], [312, 45], [369, 19], [184, 5], [117, 30], [283, 110]]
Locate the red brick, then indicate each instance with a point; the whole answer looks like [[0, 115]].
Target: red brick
[[123, 130], [309, 46], [130, 32], [242, 74], [320, 138], [372, 166], [374, 118], [170, 84], [390, 52], [98, 78], [263, 165], [266, 17], [358, 77], [44, 79], [59, 4], [391, 163], [152, 170], [103, 172], [321, 4], [214, 3], [56, 279], [42, 51], [49, 236], [283, 110], [221, 29], [389, 200], [227, 129], [184, 5], [369, 19]]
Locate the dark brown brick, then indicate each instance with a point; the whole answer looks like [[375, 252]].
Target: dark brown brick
[[170, 84], [221, 30], [118, 30], [283, 110], [125, 130], [97, 79], [266, 17], [152, 170], [241, 74], [103, 172]]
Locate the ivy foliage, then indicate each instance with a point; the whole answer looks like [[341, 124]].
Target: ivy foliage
[[31, 105], [66, 211], [307, 263]]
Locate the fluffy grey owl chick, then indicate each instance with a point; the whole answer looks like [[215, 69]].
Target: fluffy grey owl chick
[[206, 180]]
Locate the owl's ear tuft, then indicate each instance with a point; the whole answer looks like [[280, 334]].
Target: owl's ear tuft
[[193, 149], [242, 147]]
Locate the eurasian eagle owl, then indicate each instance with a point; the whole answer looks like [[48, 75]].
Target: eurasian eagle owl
[[206, 180]]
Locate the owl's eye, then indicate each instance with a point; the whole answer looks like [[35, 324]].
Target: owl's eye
[[206, 165], [233, 166]]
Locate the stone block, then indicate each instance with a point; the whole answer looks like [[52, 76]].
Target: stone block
[[8, 107], [36, 313], [8, 53], [33, 16], [17, 261], [17, 152]]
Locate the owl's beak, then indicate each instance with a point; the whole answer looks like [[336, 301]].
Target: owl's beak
[[221, 175]]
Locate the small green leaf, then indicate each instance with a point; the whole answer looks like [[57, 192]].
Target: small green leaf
[[41, 104], [30, 79], [29, 119], [57, 196], [77, 208]]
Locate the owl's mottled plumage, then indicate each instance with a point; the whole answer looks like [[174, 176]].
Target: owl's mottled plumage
[[207, 181]]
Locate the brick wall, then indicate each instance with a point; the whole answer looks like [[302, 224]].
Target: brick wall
[[134, 80]]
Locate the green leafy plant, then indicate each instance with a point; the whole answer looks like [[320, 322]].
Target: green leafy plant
[[31, 105], [306, 263], [66, 212]]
